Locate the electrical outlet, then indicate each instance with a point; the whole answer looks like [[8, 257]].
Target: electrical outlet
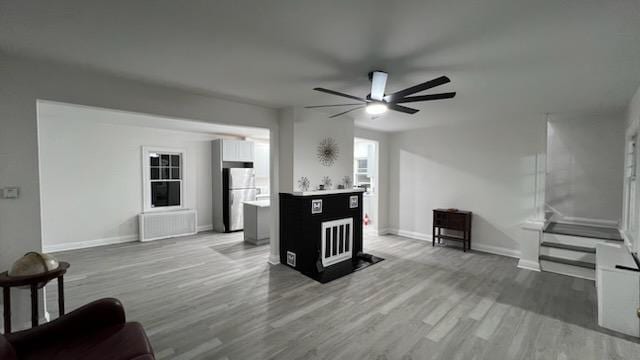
[[10, 192]]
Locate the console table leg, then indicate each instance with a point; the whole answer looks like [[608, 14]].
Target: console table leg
[[34, 305], [6, 295], [60, 296], [433, 237]]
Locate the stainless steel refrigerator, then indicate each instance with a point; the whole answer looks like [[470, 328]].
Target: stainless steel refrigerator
[[238, 186]]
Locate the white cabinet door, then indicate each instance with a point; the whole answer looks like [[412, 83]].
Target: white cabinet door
[[245, 151], [229, 150], [237, 150]]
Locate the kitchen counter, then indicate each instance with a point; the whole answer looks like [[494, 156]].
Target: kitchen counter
[[259, 203], [257, 221]]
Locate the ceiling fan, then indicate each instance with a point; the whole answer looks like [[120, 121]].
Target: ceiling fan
[[377, 102]]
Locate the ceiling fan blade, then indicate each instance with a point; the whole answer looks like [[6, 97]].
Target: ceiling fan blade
[[327, 91], [429, 97], [403, 109], [324, 106], [417, 88], [344, 112], [378, 84]]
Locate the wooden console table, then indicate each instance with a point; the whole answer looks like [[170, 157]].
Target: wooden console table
[[452, 220], [34, 282]]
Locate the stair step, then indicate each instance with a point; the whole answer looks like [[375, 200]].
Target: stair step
[[568, 252], [573, 240], [568, 270], [568, 247], [583, 264], [593, 232]]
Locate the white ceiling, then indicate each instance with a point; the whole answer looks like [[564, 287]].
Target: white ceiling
[[512, 58]]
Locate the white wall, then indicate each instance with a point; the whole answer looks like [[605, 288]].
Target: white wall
[[310, 128], [24, 81], [91, 190], [483, 165], [286, 118], [301, 131], [585, 159]]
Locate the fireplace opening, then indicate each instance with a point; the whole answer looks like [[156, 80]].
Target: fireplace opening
[[337, 237]]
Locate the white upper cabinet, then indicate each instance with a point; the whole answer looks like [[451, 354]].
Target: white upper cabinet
[[237, 150]]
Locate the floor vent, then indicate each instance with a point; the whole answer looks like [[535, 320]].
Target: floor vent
[[337, 241], [161, 225]]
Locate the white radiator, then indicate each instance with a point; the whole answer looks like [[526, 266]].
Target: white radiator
[[337, 241], [160, 225]]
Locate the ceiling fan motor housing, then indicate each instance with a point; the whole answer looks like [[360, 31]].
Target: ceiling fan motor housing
[[378, 85]]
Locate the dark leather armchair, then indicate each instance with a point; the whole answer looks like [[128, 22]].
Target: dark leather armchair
[[96, 331]]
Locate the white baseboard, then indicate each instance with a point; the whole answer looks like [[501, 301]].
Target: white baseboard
[[409, 234], [201, 228], [274, 260], [474, 246], [101, 242], [378, 232], [529, 265], [89, 243], [496, 250]]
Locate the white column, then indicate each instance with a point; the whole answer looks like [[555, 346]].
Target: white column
[[274, 181], [532, 228]]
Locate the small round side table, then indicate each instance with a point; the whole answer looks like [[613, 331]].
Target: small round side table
[[34, 282]]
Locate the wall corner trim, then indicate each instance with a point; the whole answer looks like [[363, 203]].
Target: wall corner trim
[[534, 225], [529, 265], [201, 228], [274, 260]]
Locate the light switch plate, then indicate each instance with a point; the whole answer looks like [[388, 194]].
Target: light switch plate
[[10, 192]]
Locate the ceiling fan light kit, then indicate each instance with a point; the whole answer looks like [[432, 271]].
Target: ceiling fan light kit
[[376, 109], [377, 102]]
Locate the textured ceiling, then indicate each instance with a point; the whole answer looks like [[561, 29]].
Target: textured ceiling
[[505, 57]]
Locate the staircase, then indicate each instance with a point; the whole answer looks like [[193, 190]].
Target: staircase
[[571, 249]]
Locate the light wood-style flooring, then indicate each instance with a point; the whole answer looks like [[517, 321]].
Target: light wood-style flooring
[[213, 297]]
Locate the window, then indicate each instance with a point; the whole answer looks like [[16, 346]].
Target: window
[[163, 180]]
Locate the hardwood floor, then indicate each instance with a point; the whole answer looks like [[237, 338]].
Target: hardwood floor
[[213, 297]]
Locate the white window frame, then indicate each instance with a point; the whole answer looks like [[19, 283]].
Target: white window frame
[[146, 177]]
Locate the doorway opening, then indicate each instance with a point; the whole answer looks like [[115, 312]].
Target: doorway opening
[[106, 175], [365, 175]]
